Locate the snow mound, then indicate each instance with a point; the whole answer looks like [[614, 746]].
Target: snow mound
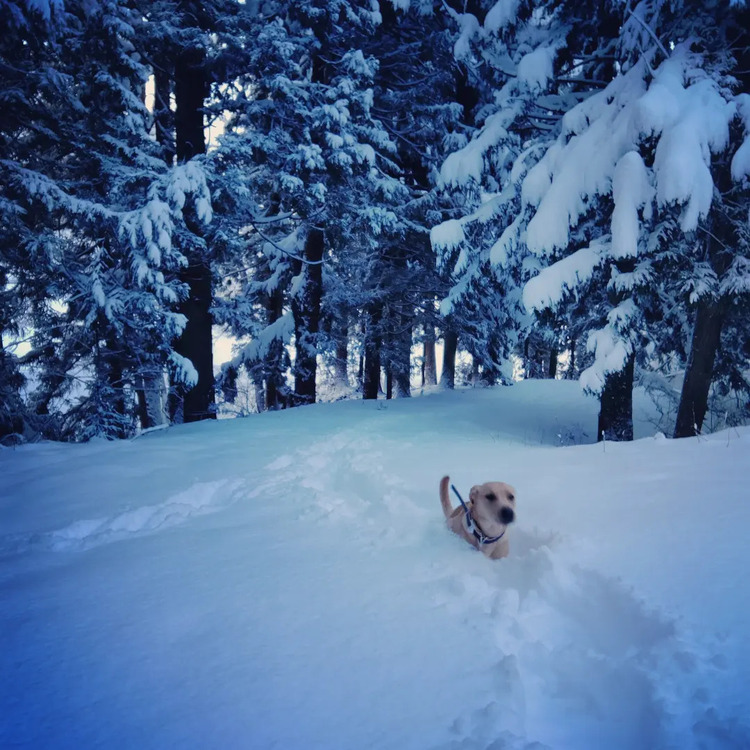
[[288, 580], [201, 498]]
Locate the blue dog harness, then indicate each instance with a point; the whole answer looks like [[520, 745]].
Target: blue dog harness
[[473, 527]]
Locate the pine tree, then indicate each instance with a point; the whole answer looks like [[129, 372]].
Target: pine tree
[[90, 217], [601, 211], [653, 130], [302, 140]]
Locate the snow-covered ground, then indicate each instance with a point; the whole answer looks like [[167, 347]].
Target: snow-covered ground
[[287, 581]]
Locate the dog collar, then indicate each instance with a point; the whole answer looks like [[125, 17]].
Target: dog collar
[[473, 527]]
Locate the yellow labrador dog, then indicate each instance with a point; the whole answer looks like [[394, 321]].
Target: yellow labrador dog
[[484, 522]]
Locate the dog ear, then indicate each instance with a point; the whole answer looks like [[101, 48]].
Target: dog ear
[[474, 493]]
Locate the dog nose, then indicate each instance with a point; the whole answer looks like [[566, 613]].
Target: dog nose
[[507, 515]]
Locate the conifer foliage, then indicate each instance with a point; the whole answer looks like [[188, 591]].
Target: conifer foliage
[[552, 186]]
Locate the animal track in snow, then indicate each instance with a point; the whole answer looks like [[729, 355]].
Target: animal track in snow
[[556, 664], [199, 499], [552, 662]]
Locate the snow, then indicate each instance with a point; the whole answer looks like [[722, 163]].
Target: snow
[[552, 283], [685, 113], [467, 164], [683, 175], [694, 123], [365, 153], [280, 330], [506, 245], [182, 368], [610, 351], [740, 166], [447, 235], [535, 68], [45, 8], [469, 27], [97, 292], [287, 581], [631, 190], [503, 13], [190, 178]]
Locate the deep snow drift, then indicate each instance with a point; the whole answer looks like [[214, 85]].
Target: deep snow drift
[[287, 581]]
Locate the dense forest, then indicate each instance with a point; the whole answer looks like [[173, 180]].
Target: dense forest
[[355, 189]]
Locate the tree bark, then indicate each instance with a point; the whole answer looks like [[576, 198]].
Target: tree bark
[[371, 380], [709, 320], [149, 396], [616, 404], [274, 365], [552, 371], [721, 238], [196, 340], [306, 311], [163, 116], [571, 373], [450, 345], [11, 419], [341, 362], [190, 91], [430, 363], [401, 364], [535, 356], [116, 421], [258, 388]]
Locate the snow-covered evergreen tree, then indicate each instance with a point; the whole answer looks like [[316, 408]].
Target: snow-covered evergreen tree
[[417, 103], [646, 155], [528, 63], [88, 216], [602, 209], [309, 171]]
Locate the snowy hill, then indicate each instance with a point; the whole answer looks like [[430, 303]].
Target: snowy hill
[[287, 581]]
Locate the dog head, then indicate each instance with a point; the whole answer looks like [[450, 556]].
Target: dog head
[[493, 504]]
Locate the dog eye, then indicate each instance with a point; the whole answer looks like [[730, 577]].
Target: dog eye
[[511, 497], [491, 496]]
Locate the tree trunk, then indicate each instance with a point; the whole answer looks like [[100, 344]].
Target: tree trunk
[[552, 371], [196, 340], [163, 115], [448, 375], [258, 388], [117, 421], [371, 380], [616, 405], [11, 420], [274, 364], [709, 319], [149, 395], [571, 372], [400, 367], [341, 362], [721, 238], [488, 376], [535, 354], [190, 91], [196, 343], [306, 311], [430, 363]]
